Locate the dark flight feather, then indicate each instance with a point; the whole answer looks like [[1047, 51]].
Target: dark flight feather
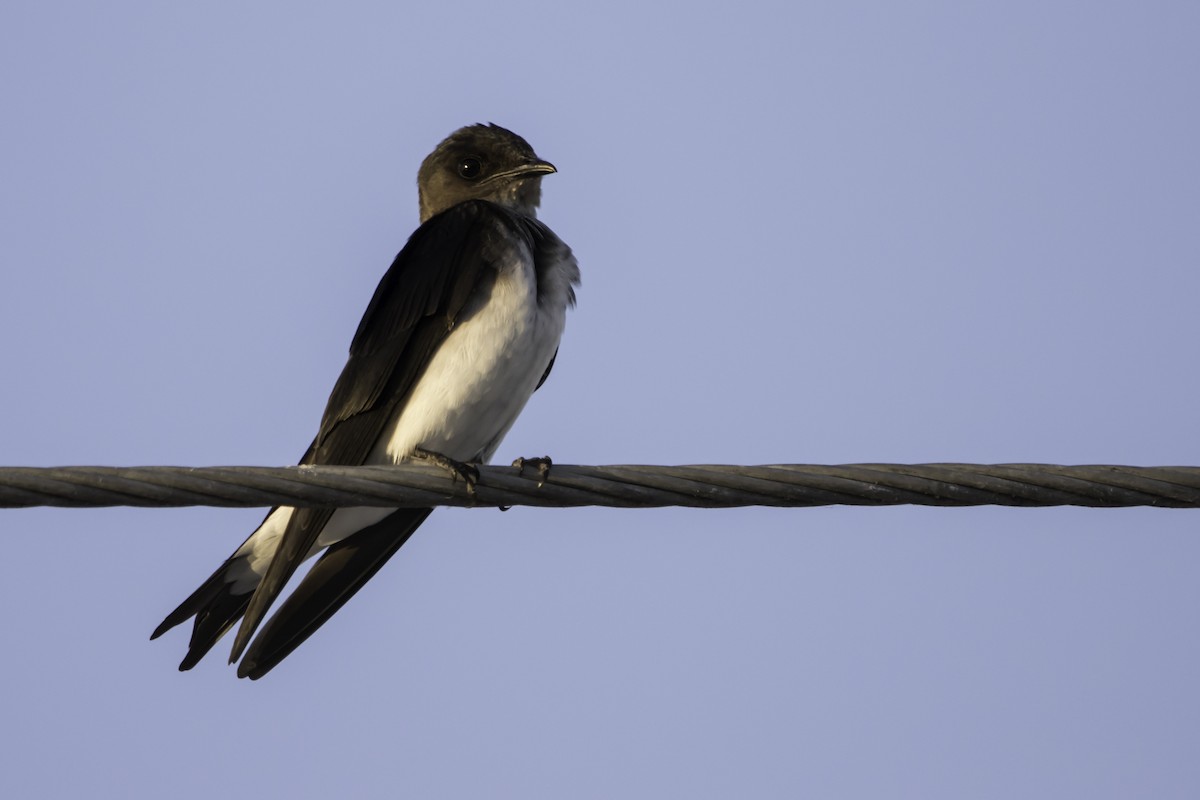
[[343, 569]]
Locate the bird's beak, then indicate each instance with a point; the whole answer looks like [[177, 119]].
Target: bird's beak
[[528, 170], [539, 168]]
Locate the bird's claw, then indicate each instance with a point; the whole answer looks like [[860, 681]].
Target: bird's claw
[[543, 465], [458, 469]]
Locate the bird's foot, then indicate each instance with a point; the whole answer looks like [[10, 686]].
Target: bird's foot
[[543, 465], [458, 469]]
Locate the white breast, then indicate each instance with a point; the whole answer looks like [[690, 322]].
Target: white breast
[[483, 373]]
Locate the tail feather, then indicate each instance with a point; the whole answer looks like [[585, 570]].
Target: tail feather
[[215, 607], [344, 568], [333, 580], [212, 623]]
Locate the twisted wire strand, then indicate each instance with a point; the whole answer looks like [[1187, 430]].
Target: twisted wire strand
[[627, 486]]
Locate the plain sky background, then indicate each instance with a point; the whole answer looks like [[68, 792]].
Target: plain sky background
[[809, 232]]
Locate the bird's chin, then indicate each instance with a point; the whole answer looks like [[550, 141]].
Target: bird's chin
[[527, 195]]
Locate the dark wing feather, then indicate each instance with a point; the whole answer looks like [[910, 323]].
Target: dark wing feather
[[546, 374], [333, 580], [426, 292]]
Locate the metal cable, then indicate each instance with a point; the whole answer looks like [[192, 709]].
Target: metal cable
[[698, 486]]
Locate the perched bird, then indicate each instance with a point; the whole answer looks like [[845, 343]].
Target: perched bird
[[462, 329]]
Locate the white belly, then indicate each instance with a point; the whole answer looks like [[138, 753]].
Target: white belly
[[481, 377]]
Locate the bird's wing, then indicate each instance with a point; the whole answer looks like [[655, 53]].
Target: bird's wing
[[546, 374], [449, 260], [333, 580]]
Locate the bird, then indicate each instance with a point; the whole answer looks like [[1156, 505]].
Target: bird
[[462, 329]]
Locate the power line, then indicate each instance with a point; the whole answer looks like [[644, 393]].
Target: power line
[[699, 486]]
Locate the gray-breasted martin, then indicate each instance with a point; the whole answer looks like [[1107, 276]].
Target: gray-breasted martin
[[461, 331]]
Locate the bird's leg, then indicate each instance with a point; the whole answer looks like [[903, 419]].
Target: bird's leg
[[458, 469], [543, 465]]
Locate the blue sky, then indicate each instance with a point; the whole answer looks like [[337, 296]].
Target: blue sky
[[818, 233]]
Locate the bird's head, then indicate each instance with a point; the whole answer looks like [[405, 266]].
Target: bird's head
[[482, 162]]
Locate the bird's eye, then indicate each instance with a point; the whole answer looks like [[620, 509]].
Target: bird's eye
[[470, 168]]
